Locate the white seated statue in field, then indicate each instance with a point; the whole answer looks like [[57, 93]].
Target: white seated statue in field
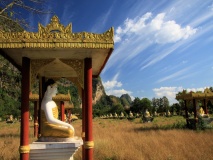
[[51, 126], [168, 114], [146, 113], [115, 116], [147, 117], [130, 114], [201, 113], [122, 115], [155, 114]]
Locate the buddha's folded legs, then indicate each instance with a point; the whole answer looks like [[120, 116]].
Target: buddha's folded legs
[[52, 130]]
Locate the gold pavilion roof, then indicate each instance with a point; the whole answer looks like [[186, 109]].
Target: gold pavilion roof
[[55, 51], [207, 94]]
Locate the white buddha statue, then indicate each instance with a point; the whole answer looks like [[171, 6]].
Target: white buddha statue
[[51, 126], [130, 114], [121, 115], [168, 114], [201, 113], [115, 116], [146, 114]]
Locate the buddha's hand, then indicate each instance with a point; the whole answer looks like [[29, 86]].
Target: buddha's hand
[[71, 127]]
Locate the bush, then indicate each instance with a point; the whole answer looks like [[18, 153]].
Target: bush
[[201, 124]]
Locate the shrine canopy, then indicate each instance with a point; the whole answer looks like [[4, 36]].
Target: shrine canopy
[[207, 94], [55, 51]]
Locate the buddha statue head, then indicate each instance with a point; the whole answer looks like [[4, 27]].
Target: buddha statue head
[[50, 88]]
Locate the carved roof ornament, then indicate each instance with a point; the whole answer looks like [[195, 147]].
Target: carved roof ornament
[[36, 64], [207, 90], [58, 97], [78, 66], [54, 26], [207, 94], [55, 35], [55, 51]]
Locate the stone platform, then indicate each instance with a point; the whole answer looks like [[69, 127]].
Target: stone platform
[[54, 150]]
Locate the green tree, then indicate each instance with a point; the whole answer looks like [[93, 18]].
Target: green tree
[[155, 104], [163, 104], [136, 106], [146, 104], [117, 109]]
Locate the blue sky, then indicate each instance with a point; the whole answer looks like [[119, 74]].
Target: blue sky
[[161, 46]]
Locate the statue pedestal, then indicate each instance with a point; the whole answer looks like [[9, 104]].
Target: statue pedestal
[[54, 150]]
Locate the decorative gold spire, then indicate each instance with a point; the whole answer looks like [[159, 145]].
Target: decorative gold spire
[[55, 35], [54, 26]]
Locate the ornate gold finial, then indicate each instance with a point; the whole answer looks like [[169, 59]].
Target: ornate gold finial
[[55, 35], [55, 19], [54, 25]]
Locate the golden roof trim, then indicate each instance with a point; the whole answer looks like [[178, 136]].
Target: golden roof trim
[[58, 97], [55, 35], [191, 95]]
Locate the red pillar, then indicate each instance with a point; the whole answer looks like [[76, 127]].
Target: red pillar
[[186, 113], [195, 114], [41, 94], [62, 110], [205, 106], [25, 89], [35, 118], [88, 143], [83, 123]]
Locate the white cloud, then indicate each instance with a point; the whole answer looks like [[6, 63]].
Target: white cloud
[[136, 35], [176, 74], [117, 38], [115, 76], [113, 87], [111, 84], [196, 89], [118, 92], [102, 20], [154, 58], [211, 7], [160, 30], [170, 92]]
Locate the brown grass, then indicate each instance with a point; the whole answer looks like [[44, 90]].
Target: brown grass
[[128, 140]]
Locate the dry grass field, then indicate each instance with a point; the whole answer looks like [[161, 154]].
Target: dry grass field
[[128, 140]]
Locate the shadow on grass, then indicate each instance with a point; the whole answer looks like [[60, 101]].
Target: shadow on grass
[[10, 135], [178, 125]]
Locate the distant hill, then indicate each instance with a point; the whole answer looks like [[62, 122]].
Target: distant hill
[[101, 99], [125, 100]]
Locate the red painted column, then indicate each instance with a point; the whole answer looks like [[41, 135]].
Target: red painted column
[[35, 118], [83, 123], [25, 89], [205, 106], [62, 110], [88, 143], [195, 114], [186, 113], [41, 94]]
